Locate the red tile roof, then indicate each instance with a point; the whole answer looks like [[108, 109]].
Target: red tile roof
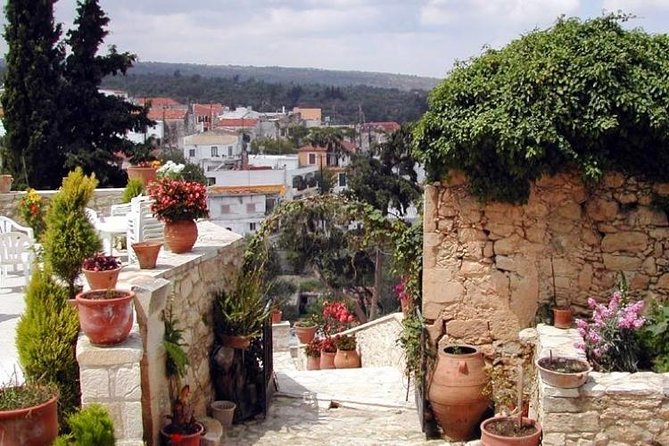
[[158, 114], [207, 109], [387, 126], [237, 122], [159, 102]]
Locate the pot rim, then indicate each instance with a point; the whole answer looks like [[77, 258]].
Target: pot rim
[[80, 299], [102, 271], [200, 432], [24, 410], [476, 352], [147, 243], [581, 360], [527, 420]]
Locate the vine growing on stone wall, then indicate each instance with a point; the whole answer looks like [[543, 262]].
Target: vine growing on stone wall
[[543, 105]]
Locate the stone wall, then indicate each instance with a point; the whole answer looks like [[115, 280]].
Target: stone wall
[[610, 409], [487, 267], [101, 201], [183, 281]]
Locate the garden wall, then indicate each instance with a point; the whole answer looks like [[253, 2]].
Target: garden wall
[[184, 281], [610, 409], [487, 267]]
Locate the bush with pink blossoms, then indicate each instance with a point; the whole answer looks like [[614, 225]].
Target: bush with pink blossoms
[[610, 338]]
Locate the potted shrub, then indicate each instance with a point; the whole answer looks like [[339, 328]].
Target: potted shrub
[[143, 162], [239, 315], [346, 357], [313, 352], [105, 315], [328, 351], [562, 372], [305, 329], [183, 429], [28, 414], [101, 271]]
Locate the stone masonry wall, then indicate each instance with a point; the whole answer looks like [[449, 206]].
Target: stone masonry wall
[[610, 409], [487, 267]]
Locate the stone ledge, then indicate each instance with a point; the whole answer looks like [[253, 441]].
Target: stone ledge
[[128, 352]]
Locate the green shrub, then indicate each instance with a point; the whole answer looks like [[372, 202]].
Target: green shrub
[[70, 237], [654, 337], [584, 95], [92, 426], [134, 188], [46, 336]]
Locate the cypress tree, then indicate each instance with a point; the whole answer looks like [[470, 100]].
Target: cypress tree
[[31, 99], [96, 123]]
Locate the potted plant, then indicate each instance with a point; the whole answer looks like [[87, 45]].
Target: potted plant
[[5, 183], [32, 208], [239, 315], [143, 162], [105, 315], [512, 430], [280, 290], [178, 203], [562, 372], [328, 351], [183, 429], [305, 329], [346, 357], [101, 270], [28, 414], [563, 316], [313, 352]]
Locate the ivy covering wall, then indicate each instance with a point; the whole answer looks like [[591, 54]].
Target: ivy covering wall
[[588, 95]]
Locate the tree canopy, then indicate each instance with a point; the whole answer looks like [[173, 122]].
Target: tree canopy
[[586, 95]]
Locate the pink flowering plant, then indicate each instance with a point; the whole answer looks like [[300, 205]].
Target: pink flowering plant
[[178, 200], [337, 318], [610, 338], [403, 294]]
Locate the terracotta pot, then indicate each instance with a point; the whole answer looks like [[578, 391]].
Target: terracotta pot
[[146, 174], [347, 359], [305, 334], [327, 360], [32, 426], [232, 341], [490, 439], [5, 183], [563, 380], [456, 391], [102, 280], [562, 317], [180, 236], [313, 362], [147, 253], [276, 316], [105, 321], [179, 439]]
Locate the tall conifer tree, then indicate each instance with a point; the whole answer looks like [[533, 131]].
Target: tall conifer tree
[[31, 99], [96, 123]]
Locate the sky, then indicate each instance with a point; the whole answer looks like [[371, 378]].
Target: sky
[[421, 37]]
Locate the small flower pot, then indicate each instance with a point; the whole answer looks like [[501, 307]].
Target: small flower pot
[[147, 253], [564, 373], [276, 316], [223, 411], [563, 317], [5, 183], [102, 280], [305, 334], [497, 432], [182, 439]]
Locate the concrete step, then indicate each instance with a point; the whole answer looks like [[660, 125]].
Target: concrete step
[[381, 386]]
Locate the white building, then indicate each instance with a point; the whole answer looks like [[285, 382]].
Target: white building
[[212, 150]]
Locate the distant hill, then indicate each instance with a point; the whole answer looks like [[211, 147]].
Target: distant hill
[[283, 75]]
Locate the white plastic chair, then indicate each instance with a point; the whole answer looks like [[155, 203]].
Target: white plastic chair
[[107, 227], [9, 225], [15, 250], [142, 225]]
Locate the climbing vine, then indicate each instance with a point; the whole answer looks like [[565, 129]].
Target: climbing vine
[[584, 95]]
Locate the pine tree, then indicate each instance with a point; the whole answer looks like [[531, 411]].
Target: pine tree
[[96, 123], [31, 99]]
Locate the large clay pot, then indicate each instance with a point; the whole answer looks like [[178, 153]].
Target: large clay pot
[[5, 183], [232, 341], [490, 439], [327, 360], [562, 317], [147, 253], [106, 321], [180, 439], [456, 391], [313, 362], [146, 174], [102, 280], [180, 236], [305, 334], [32, 426], [347, 359]]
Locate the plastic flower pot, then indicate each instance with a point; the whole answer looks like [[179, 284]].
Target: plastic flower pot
[[224, 412]]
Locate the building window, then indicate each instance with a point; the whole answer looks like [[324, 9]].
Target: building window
[[312, 158], [225, 209], [191, 153], [229, 150], [211, 181], [252, 226], [342, 180], [214, 151], [250, 208]]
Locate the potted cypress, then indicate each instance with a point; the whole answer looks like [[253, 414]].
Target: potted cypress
[[28, 414]]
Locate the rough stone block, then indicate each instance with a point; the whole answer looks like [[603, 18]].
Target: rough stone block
[[132, 420], [509, 245], [94, 384], [553, 438], [625, 241], [473, 330], [571, 422], [602, 209], [127, 385], [621, 263], [129, 352]]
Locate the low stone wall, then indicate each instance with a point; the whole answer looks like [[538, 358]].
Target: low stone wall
[[183, 281], [101, 201], [610, 409]]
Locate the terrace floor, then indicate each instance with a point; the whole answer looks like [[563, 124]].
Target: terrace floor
[[12, 305]]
